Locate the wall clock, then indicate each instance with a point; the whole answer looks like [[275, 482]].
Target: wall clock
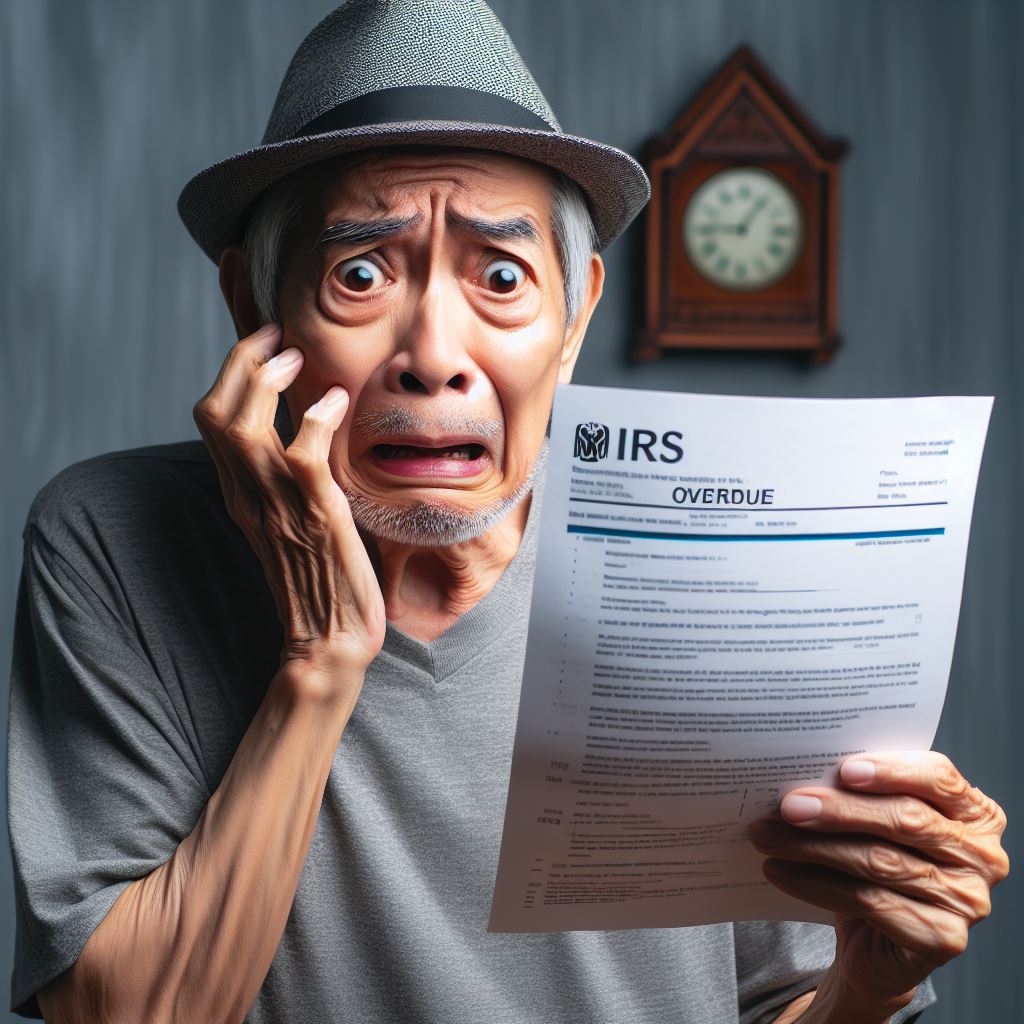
[[743, 223]]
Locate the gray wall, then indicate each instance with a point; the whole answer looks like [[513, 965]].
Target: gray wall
[[114, 326]]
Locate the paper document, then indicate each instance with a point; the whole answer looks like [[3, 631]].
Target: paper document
[[731, 596]]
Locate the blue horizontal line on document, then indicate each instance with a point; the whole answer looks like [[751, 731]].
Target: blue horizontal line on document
[[603, 531], [760, 508]]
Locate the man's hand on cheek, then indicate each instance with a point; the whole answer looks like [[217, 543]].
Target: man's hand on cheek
[[292, 511], [905, 854]]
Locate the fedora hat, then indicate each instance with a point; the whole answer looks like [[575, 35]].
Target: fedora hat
[[400, 72]]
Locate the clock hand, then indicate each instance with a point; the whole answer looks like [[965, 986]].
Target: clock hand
[[755, 209]]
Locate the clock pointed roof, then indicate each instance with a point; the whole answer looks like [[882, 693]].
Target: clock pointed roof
[[744, 108]]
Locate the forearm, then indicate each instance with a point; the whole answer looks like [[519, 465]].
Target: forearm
[[194, 939], [829, 1003]]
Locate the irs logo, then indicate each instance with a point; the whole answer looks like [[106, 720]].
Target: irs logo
[[591, 442]]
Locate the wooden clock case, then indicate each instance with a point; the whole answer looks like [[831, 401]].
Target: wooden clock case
[[742, 118]]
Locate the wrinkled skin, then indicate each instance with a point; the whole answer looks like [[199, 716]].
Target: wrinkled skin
[[290, 508], [906, 856]]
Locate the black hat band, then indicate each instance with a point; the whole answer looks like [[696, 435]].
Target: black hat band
[[424, 103]]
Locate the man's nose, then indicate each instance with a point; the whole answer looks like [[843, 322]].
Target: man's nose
[[430, 355]]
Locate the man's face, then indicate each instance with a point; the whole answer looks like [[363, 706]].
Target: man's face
[[429, 286]]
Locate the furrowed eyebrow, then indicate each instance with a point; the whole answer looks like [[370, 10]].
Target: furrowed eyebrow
[[497, 230], [356, 232]]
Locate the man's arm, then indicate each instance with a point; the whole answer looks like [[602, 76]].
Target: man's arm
[[194, 939]]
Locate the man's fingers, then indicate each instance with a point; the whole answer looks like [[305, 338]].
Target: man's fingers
[[923, 928], [905, 820], [958, 889], [221, 402], [251, 432], [927, 775], [214, 414], [288, 505], [244, 357], [307, 456]]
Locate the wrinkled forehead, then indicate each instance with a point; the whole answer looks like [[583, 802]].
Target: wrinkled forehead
[[388, 180]]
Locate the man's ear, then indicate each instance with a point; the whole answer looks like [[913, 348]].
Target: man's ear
[[574, 336], [236, 287]]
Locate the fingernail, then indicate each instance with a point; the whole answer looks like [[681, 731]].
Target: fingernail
[[857, 772], [333, 398], [289, 357], [798, 808], [268, 329]]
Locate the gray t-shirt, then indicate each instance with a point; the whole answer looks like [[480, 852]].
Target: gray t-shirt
[[145, 639]]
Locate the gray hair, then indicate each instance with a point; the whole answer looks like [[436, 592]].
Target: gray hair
[[278, 209]]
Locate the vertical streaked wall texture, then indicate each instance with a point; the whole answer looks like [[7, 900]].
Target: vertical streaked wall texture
[[113, 324]]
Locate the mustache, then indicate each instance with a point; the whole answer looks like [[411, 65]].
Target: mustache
[[403, 421]]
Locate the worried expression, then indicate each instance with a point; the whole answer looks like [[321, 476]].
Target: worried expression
[[429, 286]]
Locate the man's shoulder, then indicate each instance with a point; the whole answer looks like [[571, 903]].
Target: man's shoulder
[[122, 486]]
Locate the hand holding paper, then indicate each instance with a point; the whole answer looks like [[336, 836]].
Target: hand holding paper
[[733, 596], [907, 862]]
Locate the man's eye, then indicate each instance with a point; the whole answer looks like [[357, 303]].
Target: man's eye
[[504, 275], [360, 274]]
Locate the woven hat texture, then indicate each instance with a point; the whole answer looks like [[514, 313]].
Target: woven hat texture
[[401, 44], [399, 72]]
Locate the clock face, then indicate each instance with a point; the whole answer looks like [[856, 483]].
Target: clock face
[[743, 229]]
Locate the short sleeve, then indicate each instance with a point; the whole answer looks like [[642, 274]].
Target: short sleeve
[[777, 961], [102, 785]]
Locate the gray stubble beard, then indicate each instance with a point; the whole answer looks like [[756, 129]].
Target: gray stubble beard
[[433, 523], [430, 524]]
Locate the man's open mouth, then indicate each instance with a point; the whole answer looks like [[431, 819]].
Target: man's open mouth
[[396, 452], [450, 458]]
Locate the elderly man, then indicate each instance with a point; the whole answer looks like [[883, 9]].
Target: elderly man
[[263, 707]]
